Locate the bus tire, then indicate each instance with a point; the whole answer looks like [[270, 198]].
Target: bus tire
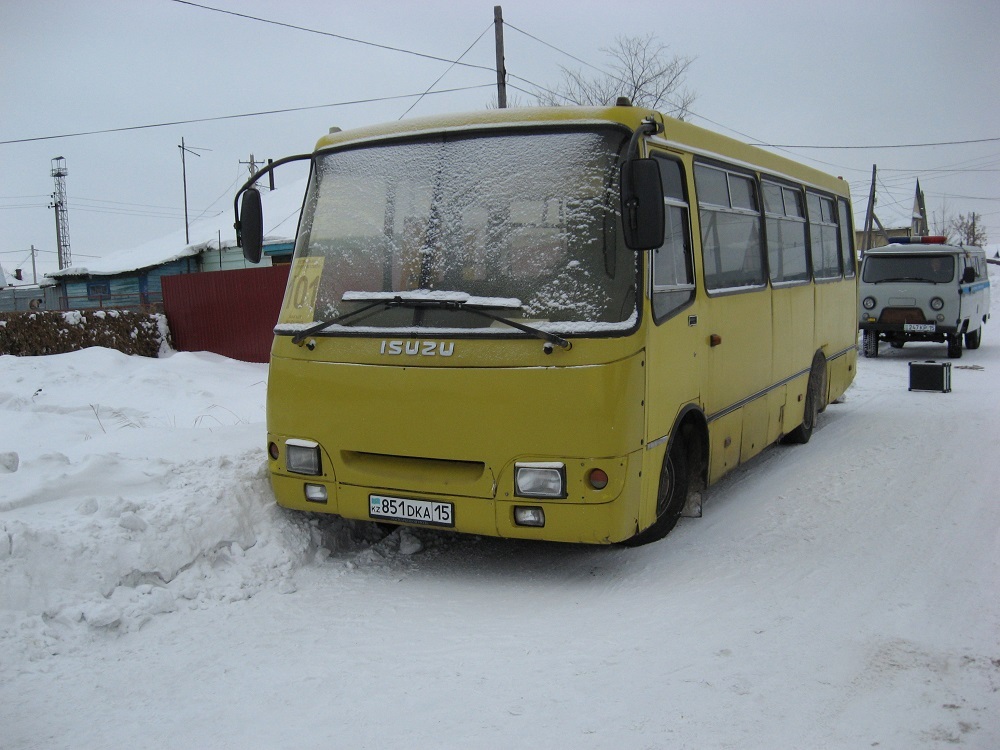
[[814, 403], [869, 343], [955, 345], [973, 339], [670, 497]]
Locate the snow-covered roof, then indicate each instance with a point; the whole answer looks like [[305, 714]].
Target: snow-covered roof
[[281, 216]]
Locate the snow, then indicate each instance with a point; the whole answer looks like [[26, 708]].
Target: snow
[[840, 594], [434, 295]]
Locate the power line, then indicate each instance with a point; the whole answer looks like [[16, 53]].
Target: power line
[[553, 47], [246, 114], [436, 82], [330, 34], [891, 145]]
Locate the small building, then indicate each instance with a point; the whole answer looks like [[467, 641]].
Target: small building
[[131, 278]]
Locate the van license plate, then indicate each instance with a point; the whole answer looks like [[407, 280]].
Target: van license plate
[[919, 327], [411, 511]]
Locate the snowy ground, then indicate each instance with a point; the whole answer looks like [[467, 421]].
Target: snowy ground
[[841, 594]]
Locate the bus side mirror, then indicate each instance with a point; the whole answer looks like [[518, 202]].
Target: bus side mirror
[[250, 226], [642, 204], [969, 276]]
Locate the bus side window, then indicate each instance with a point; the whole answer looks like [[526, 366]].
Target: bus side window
[[785, 225], [823, 237], [730, 229], [673, 277]]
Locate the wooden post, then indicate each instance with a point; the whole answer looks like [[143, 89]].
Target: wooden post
[[501, 70]]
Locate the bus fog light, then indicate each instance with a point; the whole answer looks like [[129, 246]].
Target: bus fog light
[[525, 516], [302, 457], [598, 479], [540, 480], [316, 493]]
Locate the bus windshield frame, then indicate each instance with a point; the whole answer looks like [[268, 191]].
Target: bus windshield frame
[[524, 222]]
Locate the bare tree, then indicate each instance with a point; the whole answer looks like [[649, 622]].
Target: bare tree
[[641, 69], [965, 231]]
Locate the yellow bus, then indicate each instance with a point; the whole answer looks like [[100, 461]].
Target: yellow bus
[[555, 324]]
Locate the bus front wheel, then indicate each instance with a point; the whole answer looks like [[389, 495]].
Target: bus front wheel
[[670, 497]]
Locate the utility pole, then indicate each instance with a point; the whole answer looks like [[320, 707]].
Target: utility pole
[[866, 239], [187, 150], [34, 273], [871, 218], [253, 167], [59, 172], [501, 69]]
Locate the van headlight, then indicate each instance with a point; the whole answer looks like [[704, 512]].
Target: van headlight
[[302, 457], [936, 303], [542, 479], [869, 303]]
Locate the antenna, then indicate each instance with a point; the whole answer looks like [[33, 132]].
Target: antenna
[[59, 172]]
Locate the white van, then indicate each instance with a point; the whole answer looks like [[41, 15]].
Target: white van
[[920, 289]]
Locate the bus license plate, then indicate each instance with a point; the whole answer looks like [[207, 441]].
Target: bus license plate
[[919, 327], [411, 511]]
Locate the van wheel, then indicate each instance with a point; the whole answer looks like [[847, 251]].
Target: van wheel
[[973, 338], [869, 343], [955, 345], [814, 404], [670, 497]]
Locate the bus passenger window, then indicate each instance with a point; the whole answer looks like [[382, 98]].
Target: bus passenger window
[[785, 224], [730, 229], [823, 236]]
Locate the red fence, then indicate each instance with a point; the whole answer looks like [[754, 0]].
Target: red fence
[[227, 312]]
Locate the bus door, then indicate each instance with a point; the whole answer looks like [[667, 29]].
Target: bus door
[[675, 363], [737, 319], [792, 300], [833, 260]]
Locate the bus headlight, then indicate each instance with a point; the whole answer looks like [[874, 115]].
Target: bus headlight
[[869, 303], [302, 457], [936, 303], [540, 479]]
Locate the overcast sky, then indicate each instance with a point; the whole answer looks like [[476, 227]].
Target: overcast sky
[[849, 75]]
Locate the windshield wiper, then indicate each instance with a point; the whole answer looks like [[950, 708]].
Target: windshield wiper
[[456, 301], [299, 337]]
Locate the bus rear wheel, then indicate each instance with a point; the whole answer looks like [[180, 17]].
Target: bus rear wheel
[[670, 497], [815, 389]]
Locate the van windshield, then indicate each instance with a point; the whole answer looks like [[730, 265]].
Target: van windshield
[[928, 269], [524, 223]]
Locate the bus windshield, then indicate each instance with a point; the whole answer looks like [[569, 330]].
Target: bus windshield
[[520, 223], [928, 269]]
